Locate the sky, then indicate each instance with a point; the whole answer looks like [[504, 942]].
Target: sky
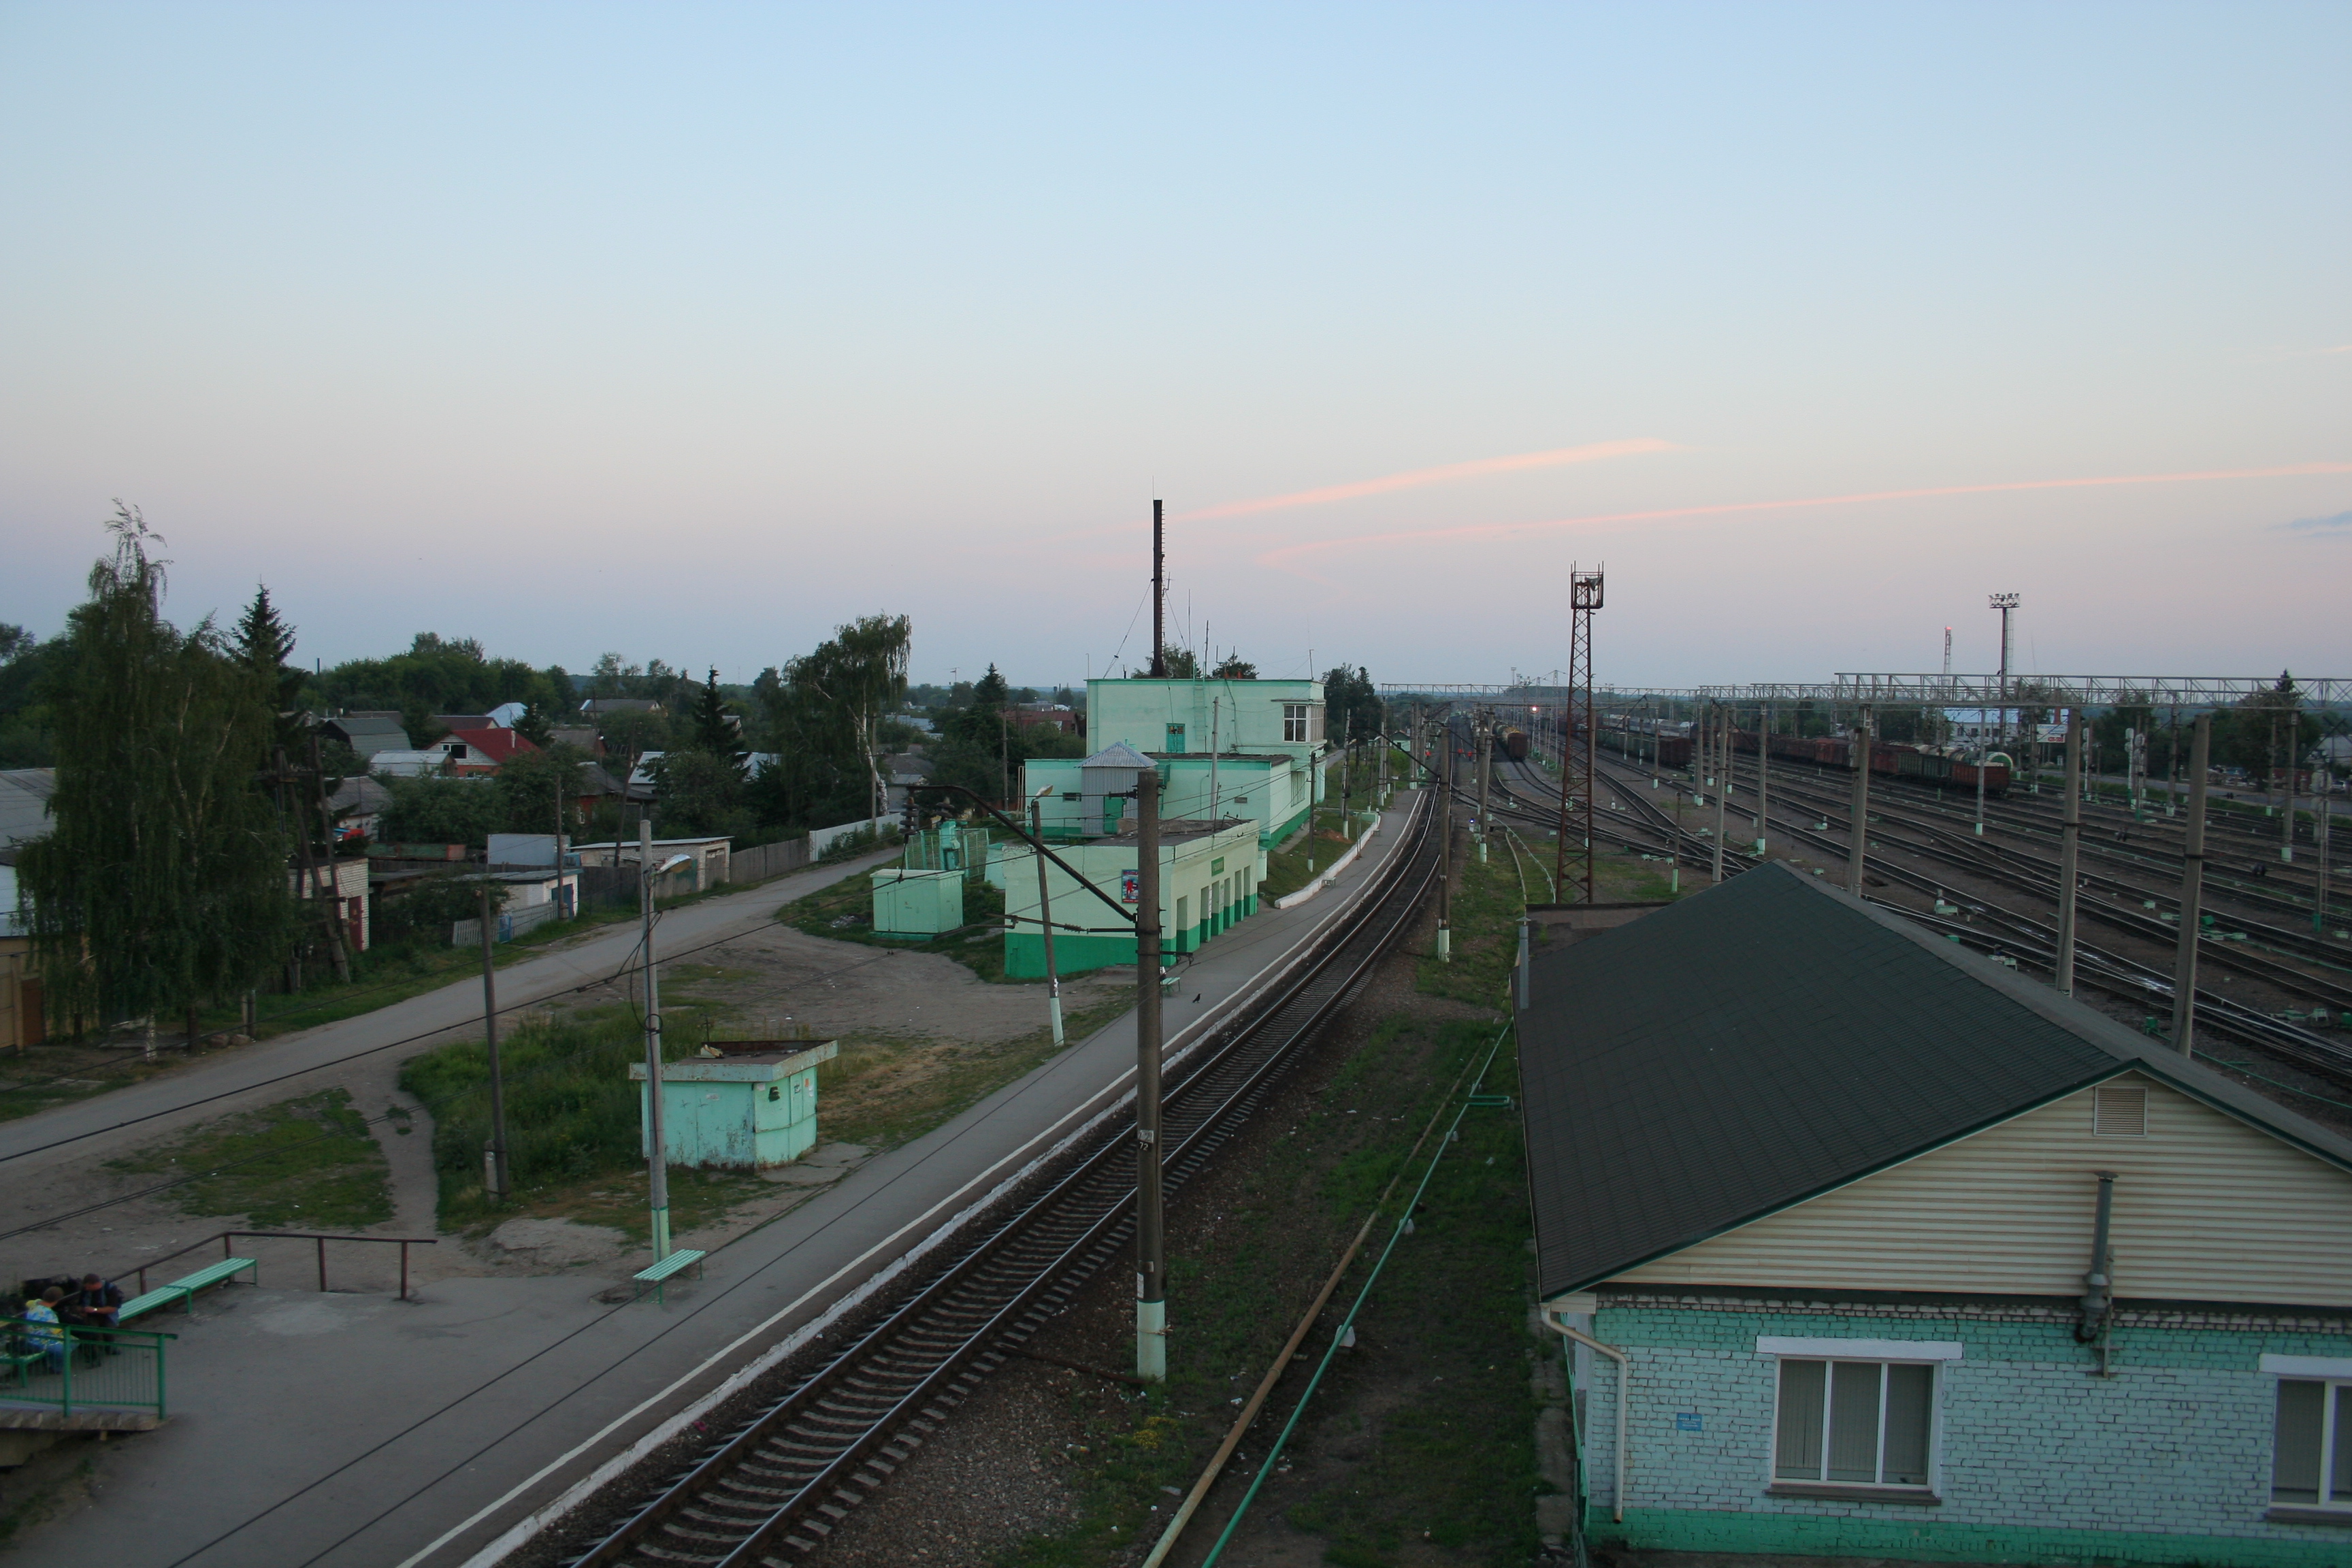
[[690, 332]]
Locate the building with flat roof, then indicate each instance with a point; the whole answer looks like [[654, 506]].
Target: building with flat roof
[[1280, 718], [1209, 877]]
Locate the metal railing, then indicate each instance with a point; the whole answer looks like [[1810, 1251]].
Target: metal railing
[[67, 1367], [227, 1237]]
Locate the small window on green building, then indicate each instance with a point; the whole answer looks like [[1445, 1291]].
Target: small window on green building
[[1864, 1423], [1175, 738]]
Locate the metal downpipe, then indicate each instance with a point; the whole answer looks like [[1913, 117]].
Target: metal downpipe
[[1624, 1399]]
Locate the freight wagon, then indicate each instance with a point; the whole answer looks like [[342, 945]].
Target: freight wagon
[[1927, 764]]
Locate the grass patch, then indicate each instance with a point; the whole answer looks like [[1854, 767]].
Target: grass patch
[[845, 912], [1286, 866], [1238, 1278], [310, 1162], [883, 1089]]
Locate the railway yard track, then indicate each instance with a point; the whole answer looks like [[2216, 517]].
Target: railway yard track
[[1939, 841], [771, 1491]]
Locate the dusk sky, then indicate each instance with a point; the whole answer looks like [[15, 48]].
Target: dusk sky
[[689, 332]]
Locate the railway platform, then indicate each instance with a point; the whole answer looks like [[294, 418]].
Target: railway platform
[[361, 1432]]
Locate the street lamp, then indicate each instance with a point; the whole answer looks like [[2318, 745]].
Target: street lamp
[[656, 1150]]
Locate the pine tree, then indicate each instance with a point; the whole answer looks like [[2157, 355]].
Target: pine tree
[[264, 644], [716, 731], [164, 882]]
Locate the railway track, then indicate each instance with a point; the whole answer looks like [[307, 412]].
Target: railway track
[[2000, 933], [771, 1491]]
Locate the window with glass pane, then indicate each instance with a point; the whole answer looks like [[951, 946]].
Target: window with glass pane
[[1864, 1423], [1294, 720], [2311, 1457]]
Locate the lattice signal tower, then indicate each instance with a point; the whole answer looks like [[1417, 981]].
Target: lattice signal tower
[[1577, 772]]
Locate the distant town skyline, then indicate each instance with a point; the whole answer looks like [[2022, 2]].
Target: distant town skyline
[[694, 333]]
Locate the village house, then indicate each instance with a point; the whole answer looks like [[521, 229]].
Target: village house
[[1867, 1247]]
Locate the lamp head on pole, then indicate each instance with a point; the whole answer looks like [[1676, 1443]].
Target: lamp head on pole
[[672, 864]]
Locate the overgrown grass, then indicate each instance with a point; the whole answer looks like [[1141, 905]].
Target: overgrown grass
[[310, 1162], [1286, 865], [572, 1114]]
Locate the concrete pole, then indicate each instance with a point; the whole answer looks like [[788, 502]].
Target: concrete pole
[[1722, 780], [1150, 1219], [656, 1145], [1046, 923], [2287, 833], [2070, 845], [1861, 829], [1485, 743], [2193, 891], [495, 1165], [1446, 854], [1763, 778], [2323, 820], [1983, 752]]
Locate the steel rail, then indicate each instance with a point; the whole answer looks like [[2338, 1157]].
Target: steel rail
[[773, 1489]]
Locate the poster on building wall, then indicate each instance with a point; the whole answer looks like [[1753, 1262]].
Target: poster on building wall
[[1131, 887]]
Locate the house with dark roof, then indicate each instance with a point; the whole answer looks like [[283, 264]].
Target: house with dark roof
[[367, 733], [1866, 1247]]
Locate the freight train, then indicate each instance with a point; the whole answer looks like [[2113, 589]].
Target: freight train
[[1946, 769], [1666, 745], [1512, 742]]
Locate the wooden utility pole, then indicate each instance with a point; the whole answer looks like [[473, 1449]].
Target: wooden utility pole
[[2193, 891], [1151, 1225]]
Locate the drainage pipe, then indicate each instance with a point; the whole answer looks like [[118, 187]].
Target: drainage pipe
[[1624, 1399]]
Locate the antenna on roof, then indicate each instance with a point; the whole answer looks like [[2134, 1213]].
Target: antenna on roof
[[1159, 597]]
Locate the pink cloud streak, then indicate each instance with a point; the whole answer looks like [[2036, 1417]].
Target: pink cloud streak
[[1416, 478], [1284, 554]]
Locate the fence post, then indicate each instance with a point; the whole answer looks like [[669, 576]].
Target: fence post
[[66, 1407], [403, 1270], [322, 1264]]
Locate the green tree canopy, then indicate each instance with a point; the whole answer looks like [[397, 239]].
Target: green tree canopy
[[164, 881], [1351, 702], [821, 712], [265, 646]]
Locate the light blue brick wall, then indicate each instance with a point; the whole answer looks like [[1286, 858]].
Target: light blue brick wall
[[2032, 1448]]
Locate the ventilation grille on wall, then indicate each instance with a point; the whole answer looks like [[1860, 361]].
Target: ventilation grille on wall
[[2119, 1110]]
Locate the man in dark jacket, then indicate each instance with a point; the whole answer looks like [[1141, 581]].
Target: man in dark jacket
[[94, 1306]]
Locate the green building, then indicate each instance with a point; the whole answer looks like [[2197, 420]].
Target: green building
[[1191, 717], [1209, 874]]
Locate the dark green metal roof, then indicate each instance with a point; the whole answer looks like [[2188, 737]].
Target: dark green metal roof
[[1771, 1038]]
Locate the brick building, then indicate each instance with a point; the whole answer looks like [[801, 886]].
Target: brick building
[[1817, 1200]]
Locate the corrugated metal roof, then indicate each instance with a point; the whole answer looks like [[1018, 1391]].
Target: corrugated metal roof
[[1772, 1038]]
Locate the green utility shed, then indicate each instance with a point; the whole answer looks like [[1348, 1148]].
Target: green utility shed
[[918, 903], [748, 1107]]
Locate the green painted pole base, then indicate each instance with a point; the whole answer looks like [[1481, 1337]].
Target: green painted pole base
[[1151, 1341]]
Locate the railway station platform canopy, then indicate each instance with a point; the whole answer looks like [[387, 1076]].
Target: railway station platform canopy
[[1927, 690]]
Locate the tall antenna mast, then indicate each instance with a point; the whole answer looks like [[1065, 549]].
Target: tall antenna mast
[[1947, 653], [1159, 598]]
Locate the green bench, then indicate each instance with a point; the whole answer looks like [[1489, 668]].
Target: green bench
[[658, 1274], [184, 1290]]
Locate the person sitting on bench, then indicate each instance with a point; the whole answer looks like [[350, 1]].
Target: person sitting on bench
[[41, 1330], [94, 1306]]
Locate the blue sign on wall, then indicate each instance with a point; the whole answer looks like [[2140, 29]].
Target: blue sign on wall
[[1686, 1421]]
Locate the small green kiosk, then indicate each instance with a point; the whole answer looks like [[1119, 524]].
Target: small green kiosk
[[742, 1105]]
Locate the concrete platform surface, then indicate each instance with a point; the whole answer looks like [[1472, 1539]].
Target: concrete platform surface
[[359, 1431]]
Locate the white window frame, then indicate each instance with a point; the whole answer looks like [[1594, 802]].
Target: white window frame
[[2332, 1373], [1931, 1353]]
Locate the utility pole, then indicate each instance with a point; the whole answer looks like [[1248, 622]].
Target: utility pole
[[1763, 778], [1046, 922], [1485, 743], [1722, 785], [2070, 847], [1446, 854], [495, 1154], [656, 1148], [562, 906], [1159, 597], [336, 950], [1150, 1228], [2192, 893], [1347, 776], [1862, 740]]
